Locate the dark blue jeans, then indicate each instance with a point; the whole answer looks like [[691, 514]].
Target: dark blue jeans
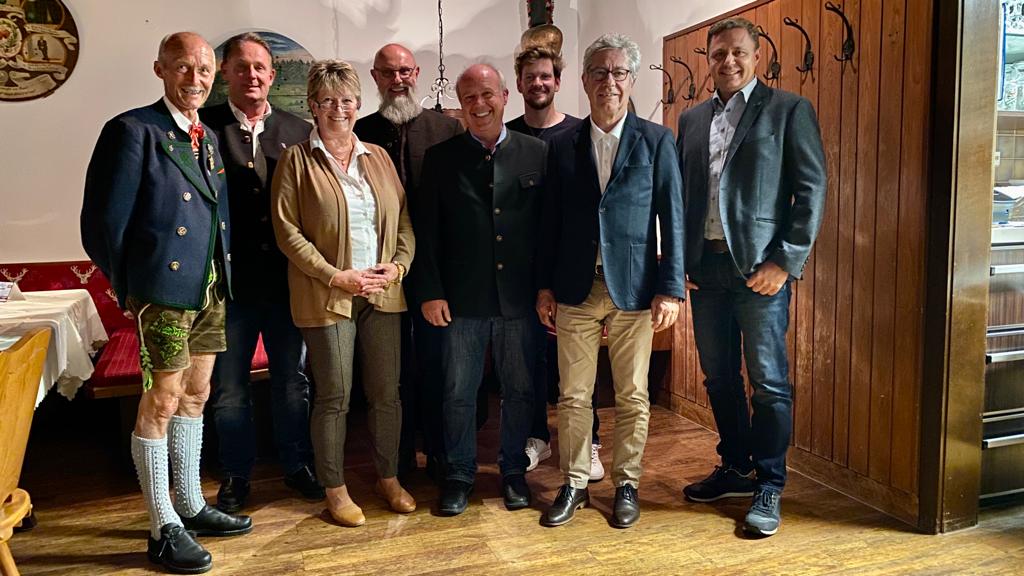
[[732, 322], [463, 349], [231, 397]]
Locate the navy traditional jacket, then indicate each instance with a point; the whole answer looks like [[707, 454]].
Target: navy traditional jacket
[[154, 218]]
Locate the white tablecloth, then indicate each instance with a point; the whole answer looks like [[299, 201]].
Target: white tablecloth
[[77, 334]]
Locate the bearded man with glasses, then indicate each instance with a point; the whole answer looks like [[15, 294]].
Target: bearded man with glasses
[[405, 130]]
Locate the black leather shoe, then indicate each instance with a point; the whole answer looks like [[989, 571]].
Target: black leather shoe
[[516, 492], [566, 503], [304, 481], [626, 510], [178, 552], [454, 497], [233, 494], [213, 522]]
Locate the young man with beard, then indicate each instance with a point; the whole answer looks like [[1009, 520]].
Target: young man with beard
[[405, 129], [538, 78]]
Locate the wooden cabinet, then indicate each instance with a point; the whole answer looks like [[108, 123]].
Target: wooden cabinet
[[1002, 461]]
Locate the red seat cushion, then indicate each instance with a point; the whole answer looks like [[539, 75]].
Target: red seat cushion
[[118, 365], [118, 371]]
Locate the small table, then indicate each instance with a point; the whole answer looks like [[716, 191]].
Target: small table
[[77, 334]]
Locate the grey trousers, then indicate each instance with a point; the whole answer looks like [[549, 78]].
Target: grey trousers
[[376, 336]]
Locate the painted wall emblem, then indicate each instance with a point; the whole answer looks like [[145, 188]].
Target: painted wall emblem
[[38, 48]]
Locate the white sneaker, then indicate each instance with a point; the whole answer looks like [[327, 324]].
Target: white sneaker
[[537, 451], [596, 468]]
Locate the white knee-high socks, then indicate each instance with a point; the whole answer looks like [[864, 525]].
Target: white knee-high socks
[[186, 442], [150, 457]]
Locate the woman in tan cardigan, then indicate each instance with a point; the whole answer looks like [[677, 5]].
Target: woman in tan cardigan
[[339, 215]]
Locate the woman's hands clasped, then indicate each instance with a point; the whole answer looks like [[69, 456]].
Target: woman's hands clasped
[[366, 282]]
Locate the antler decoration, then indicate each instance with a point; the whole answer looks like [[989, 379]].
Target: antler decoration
[[83, 277], [14, 277]]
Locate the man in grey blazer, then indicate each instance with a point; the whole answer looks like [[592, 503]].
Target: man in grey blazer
[[754, 175]]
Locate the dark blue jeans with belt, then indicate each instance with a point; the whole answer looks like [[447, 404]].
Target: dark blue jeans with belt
[[732, 322], [463, 349], [231, 397]]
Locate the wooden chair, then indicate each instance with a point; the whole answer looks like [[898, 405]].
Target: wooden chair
[[20, 369]]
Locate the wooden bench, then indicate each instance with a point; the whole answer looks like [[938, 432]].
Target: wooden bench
[[118, 373]]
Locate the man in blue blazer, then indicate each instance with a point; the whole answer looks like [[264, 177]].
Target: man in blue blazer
[[611, 183], [754, 174], [154, 219]]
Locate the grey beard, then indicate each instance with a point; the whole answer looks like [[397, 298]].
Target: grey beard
[[399, 109]]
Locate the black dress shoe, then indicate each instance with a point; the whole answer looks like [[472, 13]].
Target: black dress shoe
[[516, 492], [233, 494], [454, 497], [306, 483], [568, 501], [626, 510], [213, 522], [178, 552]]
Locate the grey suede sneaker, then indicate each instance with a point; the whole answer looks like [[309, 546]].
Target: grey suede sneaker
[[765, 513]]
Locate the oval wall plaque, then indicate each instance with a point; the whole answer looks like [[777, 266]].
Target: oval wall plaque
[[38, 48]]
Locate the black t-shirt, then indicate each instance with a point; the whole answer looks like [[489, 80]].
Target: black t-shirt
[[568, 124]]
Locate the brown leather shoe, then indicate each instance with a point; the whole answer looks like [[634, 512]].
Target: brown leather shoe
[[398, 499], [349, 516]]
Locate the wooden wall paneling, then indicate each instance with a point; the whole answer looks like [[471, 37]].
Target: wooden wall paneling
[[846, 213], [909, 345], [864, 236], [829, 113], [693, 374], [790, 44], [772, 24], [667, 112], [890, 114], [705, 82], [803, 359]]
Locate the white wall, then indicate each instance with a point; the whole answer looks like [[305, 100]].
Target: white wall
[[45, 144]]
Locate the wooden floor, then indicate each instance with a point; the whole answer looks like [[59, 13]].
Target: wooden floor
[[92, 521]]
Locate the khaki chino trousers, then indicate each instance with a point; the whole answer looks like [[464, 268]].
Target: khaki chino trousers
[[629, 350]]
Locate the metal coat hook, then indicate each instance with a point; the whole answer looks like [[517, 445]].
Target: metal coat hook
[[808, 65], [704, 52], [774, 67], [671, 96], [849, 45], [693, 86]]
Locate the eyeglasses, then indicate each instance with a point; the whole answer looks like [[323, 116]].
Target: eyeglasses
[[403, 73], [600, 74], [346, 104]]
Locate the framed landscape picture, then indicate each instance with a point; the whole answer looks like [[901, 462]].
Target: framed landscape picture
[[291, 61]]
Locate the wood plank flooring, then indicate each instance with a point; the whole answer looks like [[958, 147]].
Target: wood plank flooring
[[92, 521]]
